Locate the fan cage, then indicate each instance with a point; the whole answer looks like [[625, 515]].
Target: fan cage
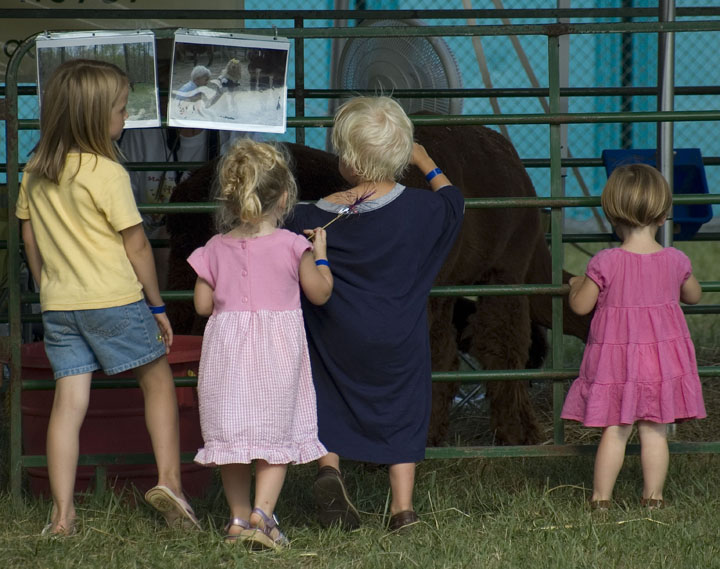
[[387, 64]]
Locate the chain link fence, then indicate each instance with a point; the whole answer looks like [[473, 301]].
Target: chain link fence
[[593, 60]]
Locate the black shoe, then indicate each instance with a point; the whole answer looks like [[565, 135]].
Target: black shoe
[[333, 503], [403, 521]]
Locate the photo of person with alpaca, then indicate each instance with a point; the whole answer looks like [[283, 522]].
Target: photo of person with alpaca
[[101, 305], [199, 76], [369, 344], [257, 401], [639, 362]]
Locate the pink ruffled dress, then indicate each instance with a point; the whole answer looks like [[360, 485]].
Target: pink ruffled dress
[[257, 399], [639, 361]]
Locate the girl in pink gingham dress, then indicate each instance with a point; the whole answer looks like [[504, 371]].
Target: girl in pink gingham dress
[[257, 401], [639, 362]]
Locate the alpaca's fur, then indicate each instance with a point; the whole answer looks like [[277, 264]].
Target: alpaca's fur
[[496, 246]]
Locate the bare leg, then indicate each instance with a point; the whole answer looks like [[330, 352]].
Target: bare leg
[[72, 394], [161, 419], [655, 458], [330, 459], [609, 460], [236, 483], [269, 480], [402, 481]]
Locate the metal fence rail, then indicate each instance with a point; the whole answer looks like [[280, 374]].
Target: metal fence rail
[[554, 370]]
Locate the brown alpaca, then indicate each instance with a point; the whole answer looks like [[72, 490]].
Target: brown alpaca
[[496, 246]]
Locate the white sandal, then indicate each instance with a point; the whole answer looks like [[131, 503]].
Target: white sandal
[[174, 509]]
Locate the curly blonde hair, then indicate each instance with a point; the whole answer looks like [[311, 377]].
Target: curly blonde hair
[[253, 178], [636, 195], [373, 137]]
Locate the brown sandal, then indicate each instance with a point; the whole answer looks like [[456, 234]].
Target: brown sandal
[[600, 505], [403, 521], [652, 503]]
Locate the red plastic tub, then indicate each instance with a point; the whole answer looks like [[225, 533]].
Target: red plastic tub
[[115, 423]]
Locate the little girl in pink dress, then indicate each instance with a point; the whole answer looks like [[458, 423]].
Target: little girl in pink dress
[[639, 361], [257, 401]]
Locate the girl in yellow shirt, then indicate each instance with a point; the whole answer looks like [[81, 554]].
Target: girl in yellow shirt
[[100, 300]]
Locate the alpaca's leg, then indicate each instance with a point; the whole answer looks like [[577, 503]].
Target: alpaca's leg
[[501, 336], [444, 356]]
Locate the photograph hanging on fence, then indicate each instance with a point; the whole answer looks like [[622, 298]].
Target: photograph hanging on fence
[[228, 82], [131, 51]]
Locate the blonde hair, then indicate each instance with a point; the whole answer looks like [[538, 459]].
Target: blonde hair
[[75, 114], [373, 137], [636, 195], [232, 70], [253, 178]]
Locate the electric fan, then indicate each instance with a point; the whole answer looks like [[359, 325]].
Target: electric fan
[[385, 64]]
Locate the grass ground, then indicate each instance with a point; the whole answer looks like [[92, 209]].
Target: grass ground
[[489, 513], [501, 513]]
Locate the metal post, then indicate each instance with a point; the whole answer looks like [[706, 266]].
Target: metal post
[[556, 231], [626, 80], [564, 81], [336, 48], [13, 266], [299, 81], [666, 91]]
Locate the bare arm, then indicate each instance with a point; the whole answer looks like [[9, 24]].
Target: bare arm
[[425, 164], [691, 291], [32, 252], [203, 297], [139, 252], [316, 280], [583, 295]]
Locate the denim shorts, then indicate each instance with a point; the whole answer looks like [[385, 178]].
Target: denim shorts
[[112, 339]]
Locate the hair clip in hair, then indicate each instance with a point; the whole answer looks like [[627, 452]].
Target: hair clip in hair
[[348, 209]]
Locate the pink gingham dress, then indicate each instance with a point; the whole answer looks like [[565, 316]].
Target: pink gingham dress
[[639, 361], [257, 399]]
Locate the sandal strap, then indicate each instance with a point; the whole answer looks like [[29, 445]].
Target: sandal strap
[[271, 527], [268, 521], [237, 522]]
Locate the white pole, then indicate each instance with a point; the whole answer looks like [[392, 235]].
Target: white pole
[[666, 92]]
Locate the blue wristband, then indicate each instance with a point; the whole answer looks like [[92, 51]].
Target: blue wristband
[[157, 309], [432, 173], [322, 262]]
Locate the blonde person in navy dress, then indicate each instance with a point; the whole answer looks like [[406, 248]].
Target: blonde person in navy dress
[[369, 345], [257, 402], [639, 362]]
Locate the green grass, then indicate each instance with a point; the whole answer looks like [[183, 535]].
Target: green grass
[[501, 513]]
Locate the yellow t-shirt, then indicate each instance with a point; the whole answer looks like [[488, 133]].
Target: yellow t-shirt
[[77, 225]]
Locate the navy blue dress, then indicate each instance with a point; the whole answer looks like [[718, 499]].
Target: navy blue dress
[[369, 344]]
